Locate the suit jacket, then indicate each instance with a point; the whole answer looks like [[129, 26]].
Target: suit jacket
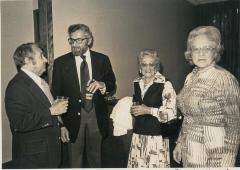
[[35, 142], [65, 83]]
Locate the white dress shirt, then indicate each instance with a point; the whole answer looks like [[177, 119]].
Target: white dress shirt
[[38, 81], [79, 60], [168, 104]]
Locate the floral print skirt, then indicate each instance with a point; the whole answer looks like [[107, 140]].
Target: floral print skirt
[[149, 152]]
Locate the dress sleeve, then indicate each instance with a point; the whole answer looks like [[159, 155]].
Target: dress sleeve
[[169, 103], [229, 100]]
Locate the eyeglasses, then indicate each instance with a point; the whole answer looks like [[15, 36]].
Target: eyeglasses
[[143, 65], [77, 41], [203, 50]]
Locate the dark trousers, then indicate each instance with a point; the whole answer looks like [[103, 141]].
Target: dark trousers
[[86, 151]]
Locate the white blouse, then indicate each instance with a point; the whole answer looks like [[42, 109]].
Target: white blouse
[[121, 115], [168, 97]]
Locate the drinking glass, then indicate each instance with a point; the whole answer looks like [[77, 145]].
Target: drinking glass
[[62, 98]]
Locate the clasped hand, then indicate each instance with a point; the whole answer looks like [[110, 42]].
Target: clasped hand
[[138, 110], [95, 85]]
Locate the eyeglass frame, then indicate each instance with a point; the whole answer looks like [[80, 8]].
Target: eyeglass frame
[[71, 41], [151, 65], [204, 50]]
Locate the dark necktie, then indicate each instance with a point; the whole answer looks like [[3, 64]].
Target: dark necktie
[[87, 104]]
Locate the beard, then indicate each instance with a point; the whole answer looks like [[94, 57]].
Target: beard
[[78, 51]]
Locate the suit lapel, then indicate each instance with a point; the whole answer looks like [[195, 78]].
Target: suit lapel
[[35, 89], [94, 65], [71, 72]]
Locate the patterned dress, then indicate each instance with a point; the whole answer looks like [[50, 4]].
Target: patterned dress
[[152, 151], [210, 103]]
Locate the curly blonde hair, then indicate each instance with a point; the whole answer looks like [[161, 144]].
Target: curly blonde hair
[[212, 33], [152, 53]]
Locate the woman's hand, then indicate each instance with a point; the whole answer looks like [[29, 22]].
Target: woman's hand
[[163, 115], [138, 110], [177, 153]]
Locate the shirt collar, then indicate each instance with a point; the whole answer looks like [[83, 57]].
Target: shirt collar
[[32, 75], [87, 54], [197, 70], [158, 78]]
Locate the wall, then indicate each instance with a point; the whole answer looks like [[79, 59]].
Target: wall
[[124, 27], [121, 28], [16, 28]]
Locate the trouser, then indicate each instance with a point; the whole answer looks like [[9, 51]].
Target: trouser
[[86, 151]]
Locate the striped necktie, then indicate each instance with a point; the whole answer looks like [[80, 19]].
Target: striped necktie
[[87, 104], [46, 90]]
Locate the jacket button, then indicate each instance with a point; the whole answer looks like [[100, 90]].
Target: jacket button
[[79, 113], [45, 125]]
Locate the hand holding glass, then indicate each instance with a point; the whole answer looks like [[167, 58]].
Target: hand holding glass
[[164, 116], [136, 103], [59, 106], [89, 94], [61, 98]]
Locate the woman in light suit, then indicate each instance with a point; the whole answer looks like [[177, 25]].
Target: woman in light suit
[[210, 103]]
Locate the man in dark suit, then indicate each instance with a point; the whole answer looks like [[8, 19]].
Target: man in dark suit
[[75, 75], [32, 112]]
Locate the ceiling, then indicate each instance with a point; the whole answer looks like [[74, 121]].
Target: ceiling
[[198, 2]]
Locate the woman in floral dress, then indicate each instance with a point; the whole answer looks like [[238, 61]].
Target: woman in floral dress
[[154, 104]]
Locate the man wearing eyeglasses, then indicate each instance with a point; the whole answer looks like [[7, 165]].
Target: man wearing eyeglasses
[[76, 75]]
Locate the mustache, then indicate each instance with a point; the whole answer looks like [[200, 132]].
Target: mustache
[[76, 48]]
